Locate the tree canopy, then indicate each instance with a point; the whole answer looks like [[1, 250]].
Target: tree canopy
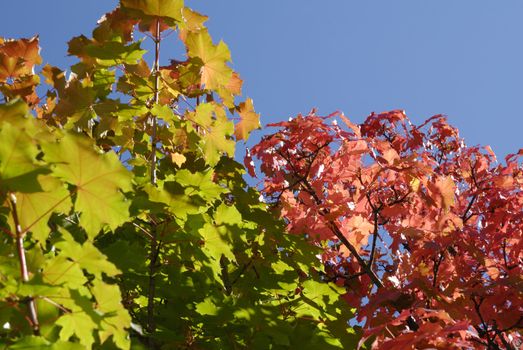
[[126, 222], [422, 231]]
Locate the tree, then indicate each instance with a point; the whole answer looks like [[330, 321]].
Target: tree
[[423, 232], [125, 219]]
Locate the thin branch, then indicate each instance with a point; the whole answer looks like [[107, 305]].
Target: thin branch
[[435, 268], [242, 271], [55, 304], [503, 340], [374, 237], [155, 247], [153, 258], [333, 225], [465, 217], [7, 232], [147, 233], [156, 72], [339, 234], [24, 272], [485, 331]]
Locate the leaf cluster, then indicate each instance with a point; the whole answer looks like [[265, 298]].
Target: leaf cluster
[[422, 231], [126, 223]]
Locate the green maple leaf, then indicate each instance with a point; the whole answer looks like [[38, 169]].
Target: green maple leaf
[[215, 72], [98, 179], [201, 183], [31, 342], [228, 215], [114, 53], [158, 8], [35, 209], [173, 195], [109, 302], [216, 141], [79, 324], [18, 171], [59, 270], [108, 297], [217, 242], [319, 298], [87, 256], [13, 111], [203, 114]]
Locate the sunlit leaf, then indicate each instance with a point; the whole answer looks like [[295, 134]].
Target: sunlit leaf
[[159, 8], [214, 70], [98, 180], [249, 120], [35, 209], [78, 324], [18, 57], [18, 168]]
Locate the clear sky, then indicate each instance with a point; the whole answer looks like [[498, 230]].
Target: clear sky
[[462, 58]]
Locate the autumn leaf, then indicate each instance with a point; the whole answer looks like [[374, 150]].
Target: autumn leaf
[[114, 53], [212, 59], [192, 22], [249, 120], [158, 8], [443, 191], [18, 57]]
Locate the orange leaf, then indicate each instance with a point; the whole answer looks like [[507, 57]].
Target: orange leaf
[[249, 120], [18, 57]]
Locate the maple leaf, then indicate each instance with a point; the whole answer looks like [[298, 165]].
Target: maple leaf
[[97, 178], [114, 53], [59, 270], [18, 168], [35, 209], [18, 57], [212, 59], [443, 190], [87, 256], [249, 120], [192, 22], [173, 195], [159, 8], [79, 324]]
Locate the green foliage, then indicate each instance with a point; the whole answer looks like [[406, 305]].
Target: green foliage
[[126, 222]]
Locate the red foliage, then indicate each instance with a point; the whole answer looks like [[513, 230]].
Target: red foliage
[[424, 232]]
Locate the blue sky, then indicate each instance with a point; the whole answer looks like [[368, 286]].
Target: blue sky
[[460, 58]]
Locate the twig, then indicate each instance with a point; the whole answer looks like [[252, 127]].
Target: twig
[[33, 315]]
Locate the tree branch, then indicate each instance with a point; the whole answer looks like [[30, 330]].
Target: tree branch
[[374, 237], [156, 72], [24, 272], [333, 225], [435, 268], [465, 217], [337, 232], [155, 247]]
